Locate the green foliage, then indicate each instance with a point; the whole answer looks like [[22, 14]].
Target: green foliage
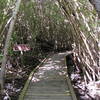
[[1, 56], [46, 23]]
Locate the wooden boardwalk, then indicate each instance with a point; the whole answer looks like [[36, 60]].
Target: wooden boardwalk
[[50, 81]]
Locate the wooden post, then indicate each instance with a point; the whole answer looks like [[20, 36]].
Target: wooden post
[[7, 43]]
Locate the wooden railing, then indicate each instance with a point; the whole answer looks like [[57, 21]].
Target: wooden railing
[[24, 90]]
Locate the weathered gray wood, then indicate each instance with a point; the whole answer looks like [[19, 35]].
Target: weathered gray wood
[[50, 81], [21, 96]]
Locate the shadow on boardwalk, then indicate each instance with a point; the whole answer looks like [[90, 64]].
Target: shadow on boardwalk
[[49, 81]]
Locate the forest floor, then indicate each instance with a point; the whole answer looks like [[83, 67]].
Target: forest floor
[[83, 90], [16, 77]]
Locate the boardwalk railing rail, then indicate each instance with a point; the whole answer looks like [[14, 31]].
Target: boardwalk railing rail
[[24, 90], [69, 82]]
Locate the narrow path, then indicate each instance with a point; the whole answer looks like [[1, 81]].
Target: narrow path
[[50, 82]]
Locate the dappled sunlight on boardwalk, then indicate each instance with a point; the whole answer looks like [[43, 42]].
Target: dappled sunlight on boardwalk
[[54, 66], [49, 81]]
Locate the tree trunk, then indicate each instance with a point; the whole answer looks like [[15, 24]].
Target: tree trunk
[[7, 43]]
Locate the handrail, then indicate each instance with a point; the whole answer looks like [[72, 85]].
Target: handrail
[[69, 83], [24, 90]]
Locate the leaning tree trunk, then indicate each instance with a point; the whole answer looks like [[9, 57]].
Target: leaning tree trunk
[[85, 38], [7, 43], [96, 4]]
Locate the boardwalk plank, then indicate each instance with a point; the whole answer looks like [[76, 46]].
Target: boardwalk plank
[[49, 82]]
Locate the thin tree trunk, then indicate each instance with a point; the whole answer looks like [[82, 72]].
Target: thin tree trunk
[[7, 43]]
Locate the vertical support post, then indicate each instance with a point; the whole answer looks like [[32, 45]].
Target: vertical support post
[[99, 40]]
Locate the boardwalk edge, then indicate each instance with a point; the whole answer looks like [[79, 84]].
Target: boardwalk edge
[[70, 85], [23, 92]]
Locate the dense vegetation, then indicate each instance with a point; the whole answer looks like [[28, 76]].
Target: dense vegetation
[[50, 26]]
